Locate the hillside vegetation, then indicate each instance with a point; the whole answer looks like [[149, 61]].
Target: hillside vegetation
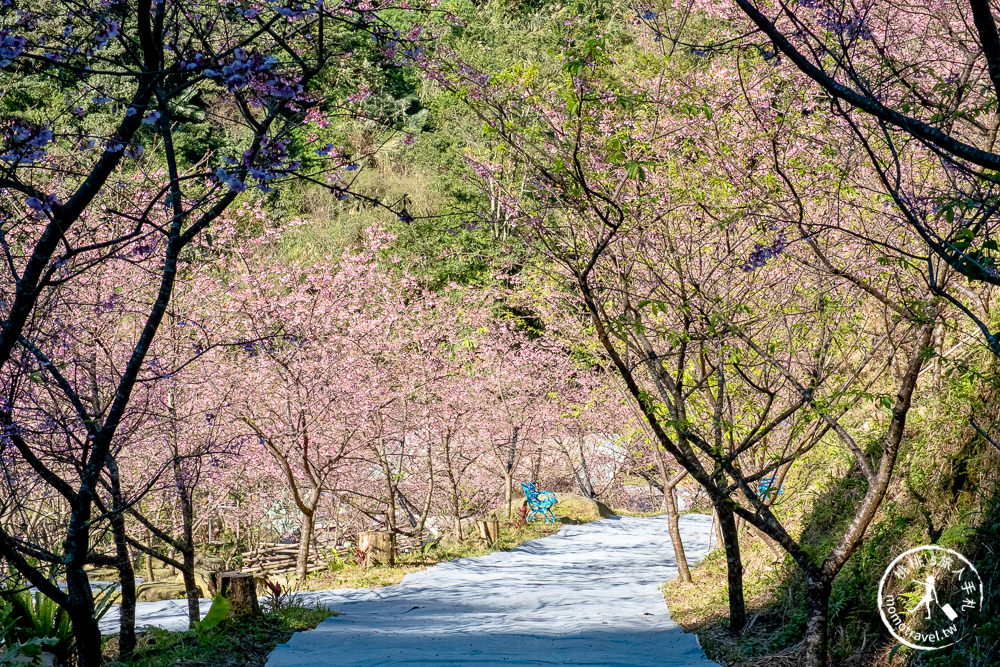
[[299, 272]]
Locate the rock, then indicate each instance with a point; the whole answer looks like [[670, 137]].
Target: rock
[[578, 509], [205, 566], [163, 591], [202, 579], [209, 563]]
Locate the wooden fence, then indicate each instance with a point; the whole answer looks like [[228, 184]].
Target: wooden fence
[[278, 558], [275, 558]]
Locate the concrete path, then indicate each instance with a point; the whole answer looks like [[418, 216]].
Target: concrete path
[[589, 595]]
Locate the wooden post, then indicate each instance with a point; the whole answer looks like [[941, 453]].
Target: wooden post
[[489, 530], [240, 589], [379, 548]]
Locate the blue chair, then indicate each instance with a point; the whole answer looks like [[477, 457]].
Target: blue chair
[[764, 487], [539, 502]]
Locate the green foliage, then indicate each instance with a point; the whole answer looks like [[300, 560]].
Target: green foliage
[[33, 620], [217, 613], [979, 649], [23, 652], [946, 493], [30, 622], [247, 640], [335, 562]]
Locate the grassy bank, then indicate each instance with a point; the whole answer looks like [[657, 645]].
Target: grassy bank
[[928, 506], [571, 510], [349, 575], [234, 643]]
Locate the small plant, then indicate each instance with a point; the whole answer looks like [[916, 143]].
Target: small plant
[[23, 653], [360, 556], [217, 613], [275, 594], [279, 598], [335, 563], [104, 600], [33, 616]]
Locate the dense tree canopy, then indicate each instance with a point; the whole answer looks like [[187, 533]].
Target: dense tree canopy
[[305, 270]]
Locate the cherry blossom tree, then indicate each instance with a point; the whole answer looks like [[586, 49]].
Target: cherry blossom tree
[[908, 88], [692, 305], [100, 178]]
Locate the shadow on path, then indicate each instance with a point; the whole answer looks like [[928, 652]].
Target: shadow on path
[[589, 595]]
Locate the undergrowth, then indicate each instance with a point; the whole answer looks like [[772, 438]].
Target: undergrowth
[[946, 494], [234, 643], [343, 574]]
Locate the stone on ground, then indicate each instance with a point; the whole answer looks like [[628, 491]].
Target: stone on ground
[[164, 590], [580, 508]]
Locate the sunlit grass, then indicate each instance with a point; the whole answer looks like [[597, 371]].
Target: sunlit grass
[[349, 575], [246, 641]]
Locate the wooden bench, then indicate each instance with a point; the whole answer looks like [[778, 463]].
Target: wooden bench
[[539, 502]]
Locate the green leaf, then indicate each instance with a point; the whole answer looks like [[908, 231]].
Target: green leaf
[[217, 613]]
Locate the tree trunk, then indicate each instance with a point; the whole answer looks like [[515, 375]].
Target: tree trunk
[[453, 494], [508, 491], [150, 576], [187, 549], [388, 476], [86, 632], [305, 542], [379, 548], [673, 516], [817, 606], [939, 345], [429, 496], [126, 573], [456, 508], [390, 514], [734, 566], [241, 590], [80, 598], [673, 526], [190, 585], [187, 572], [508, 476]]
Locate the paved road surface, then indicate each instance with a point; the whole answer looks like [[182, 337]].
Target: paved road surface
[[589, 595]]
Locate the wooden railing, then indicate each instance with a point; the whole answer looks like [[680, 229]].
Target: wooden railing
[[275, 558], [278, 558]]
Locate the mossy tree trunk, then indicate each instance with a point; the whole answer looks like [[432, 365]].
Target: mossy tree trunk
[[126, 573], [734, 566]]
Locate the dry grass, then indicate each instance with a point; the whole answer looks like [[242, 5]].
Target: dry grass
[[349, 575]]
